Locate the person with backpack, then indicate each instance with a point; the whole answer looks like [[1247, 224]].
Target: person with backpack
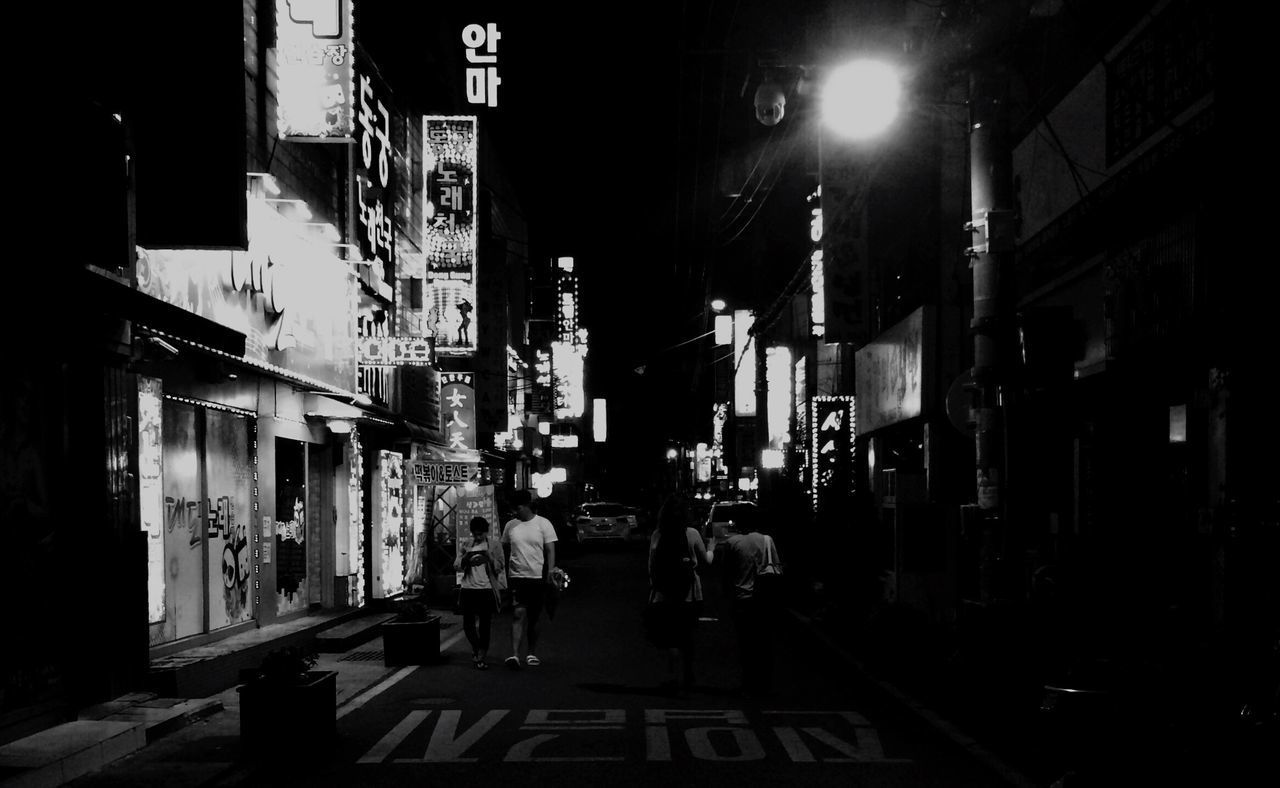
[[676, 554]]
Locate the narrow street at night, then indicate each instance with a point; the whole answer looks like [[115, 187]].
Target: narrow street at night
[[593, 713], [854, 392]]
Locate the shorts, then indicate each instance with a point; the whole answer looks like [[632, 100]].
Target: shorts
[[529, 593]]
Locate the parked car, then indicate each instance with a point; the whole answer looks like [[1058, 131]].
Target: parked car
[[604, 520], [723, 516]]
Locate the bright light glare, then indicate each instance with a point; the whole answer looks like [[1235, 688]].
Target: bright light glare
[[860, 99], [718, 304]]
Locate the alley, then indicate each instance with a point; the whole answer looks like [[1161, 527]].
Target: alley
[[592, 713]]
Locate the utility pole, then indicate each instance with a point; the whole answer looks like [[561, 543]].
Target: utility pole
[[991, 197]]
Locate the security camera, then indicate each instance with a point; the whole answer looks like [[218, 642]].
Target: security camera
[[771, 103]]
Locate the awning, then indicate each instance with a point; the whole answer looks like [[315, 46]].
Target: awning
[[118, 298]]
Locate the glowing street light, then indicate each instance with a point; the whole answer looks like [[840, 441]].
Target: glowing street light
[[860, 98], [718, 305]]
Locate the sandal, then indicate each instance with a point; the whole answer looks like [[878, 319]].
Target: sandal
[[512, 662], [532, 660], [482, 665]]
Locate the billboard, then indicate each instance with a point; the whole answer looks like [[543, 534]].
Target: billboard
[[315, 54], [449, 158]]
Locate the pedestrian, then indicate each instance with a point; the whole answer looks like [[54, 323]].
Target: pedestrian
[[480, 566], [676, 554], [749, 552], [529, 541]]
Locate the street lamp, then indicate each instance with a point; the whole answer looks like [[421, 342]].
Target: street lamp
[[860, 98], [718, 305]]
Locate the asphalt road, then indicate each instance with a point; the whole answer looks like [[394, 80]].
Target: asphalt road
[[594, 713]]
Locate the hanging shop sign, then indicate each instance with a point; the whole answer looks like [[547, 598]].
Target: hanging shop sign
[[375, 197], [442, 472], [458, 409], [843, 172], [890, 372], [393, 351], [568, 367], [833, 432], [482, 63], [314, 57], [778, 399], [449, 228]]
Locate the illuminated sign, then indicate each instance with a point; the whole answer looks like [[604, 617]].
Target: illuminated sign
[[151, 490], [724, 329], [771, 458], [388, 531], [393, 351], [832, 432], [288, 294], [702, 457], [426, 472], [777, 372], [449, 228], [482, 79], [564, 441], [744, 360], [375, 199], [568, 368], [816, 284], [458, 409], [599, 420], [314, 54]]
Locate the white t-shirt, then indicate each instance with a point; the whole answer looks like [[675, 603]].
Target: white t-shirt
[[478, 576], [527, 538]]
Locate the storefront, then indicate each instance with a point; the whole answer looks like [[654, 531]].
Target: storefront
[[244, 461]]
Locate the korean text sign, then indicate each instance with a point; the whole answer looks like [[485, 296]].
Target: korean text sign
[[314, 62], [375, 197]]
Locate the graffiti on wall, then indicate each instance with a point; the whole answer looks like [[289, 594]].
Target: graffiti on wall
[[291, 526], [229, 539]]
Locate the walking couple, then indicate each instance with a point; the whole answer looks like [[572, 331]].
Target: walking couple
[[750, 559], [525, 565]]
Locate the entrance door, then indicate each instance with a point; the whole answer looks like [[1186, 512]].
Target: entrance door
[[230, 512], [183, 537], [291, 532]]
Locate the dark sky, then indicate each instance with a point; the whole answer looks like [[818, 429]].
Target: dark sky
[[622, 129]]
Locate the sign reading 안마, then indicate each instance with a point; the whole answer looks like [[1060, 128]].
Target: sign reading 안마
[[428, 472]]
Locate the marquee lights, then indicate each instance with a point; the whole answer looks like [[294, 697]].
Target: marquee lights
[[830, 418], [450, 154], [266, 365]]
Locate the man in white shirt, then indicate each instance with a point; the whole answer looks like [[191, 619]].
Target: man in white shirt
[[529, 541]]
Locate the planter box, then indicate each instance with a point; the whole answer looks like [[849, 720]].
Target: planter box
[[274, 717], [411, 642]]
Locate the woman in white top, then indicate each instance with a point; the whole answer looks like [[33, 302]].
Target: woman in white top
[[478, 562]]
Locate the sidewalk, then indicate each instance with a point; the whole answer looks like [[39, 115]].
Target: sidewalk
[[141, 739], [988, 701]]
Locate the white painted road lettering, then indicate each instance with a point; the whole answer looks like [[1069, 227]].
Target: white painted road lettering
[[600, 735]]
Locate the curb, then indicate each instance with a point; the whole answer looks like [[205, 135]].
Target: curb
[[939, 724]]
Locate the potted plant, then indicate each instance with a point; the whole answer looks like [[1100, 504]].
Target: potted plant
[[286, 702], [413, 637]]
